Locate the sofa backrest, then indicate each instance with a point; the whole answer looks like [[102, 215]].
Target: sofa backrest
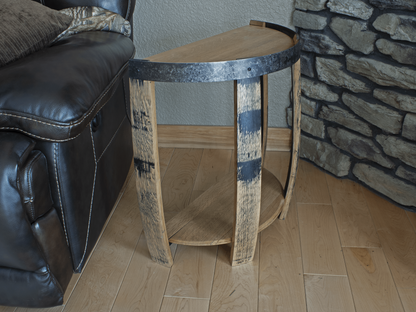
[[123, 7]]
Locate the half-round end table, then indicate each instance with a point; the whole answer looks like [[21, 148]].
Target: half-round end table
[[244, 202]]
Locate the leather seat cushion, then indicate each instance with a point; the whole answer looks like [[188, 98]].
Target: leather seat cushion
[[54, 93]]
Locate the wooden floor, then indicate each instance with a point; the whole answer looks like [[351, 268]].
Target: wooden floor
[[342, 248]]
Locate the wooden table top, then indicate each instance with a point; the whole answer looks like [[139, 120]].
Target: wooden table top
[[249, 41]]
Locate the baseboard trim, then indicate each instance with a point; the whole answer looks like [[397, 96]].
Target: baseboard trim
[[216, 137]]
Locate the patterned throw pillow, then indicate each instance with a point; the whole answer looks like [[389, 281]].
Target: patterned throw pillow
[[90, 18], [27, 26]]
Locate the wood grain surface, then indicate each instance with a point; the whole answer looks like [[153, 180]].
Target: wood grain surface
[[321, 248], [165, 154], [278, 164], [208, 220], [215, 164], [244, 42], [281, 286], [104, 272], [289, 188], [179, 180], [408, 298], [328, 293], [371, 281], [184, 305], [311, 186], [397, 238], [248, 175], [235, 289], [412, 218], [53, 309], [216, 137], [355, 225], [192, 274], [264, 85], [144, 283], [147, 168]]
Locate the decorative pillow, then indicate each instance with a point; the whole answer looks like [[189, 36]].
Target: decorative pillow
[[90, 18], [27, 26]]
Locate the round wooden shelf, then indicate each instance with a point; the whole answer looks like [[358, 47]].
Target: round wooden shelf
[[209, 219]]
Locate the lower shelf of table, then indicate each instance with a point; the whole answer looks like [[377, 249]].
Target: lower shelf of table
[[209, 219]]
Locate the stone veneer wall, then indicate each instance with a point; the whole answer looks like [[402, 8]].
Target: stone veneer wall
[[359, 92]]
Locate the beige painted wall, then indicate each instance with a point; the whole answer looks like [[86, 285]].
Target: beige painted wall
[[160, 25]]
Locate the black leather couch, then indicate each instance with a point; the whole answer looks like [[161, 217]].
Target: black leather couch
[[65, 151]]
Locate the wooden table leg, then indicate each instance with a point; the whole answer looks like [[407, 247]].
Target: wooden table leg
[[264, 83], [147, 169], [247, 94], [295, 139]]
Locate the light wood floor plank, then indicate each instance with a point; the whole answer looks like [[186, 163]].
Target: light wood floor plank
[[165, 155], [311, 187], [214, 165], [193, 270], [328, 294], [184, 305], [235, 289], [7, 309], [281, 286], [355, 225], [412, 218], [371, 282], [179, 180], [104, 272], [192, 273], [397, 237], [71, 286], [53, 309], [408, 297], [144, 284], [321, 248], [278, 164]]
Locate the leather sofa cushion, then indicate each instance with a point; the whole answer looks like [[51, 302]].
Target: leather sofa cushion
[[54, 93]]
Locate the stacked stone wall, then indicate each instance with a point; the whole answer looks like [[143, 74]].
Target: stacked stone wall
[[359, 92]]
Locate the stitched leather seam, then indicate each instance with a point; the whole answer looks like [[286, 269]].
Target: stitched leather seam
[[92, 198], [31, 200], [124, 95], [39, 137], [59, 190], [70, 126], [109, 143]]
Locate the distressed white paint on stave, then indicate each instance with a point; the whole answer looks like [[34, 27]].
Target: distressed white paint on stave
[[147, 169]]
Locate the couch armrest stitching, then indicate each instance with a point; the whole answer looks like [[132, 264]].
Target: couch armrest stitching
[[55, 148], [39, 137], [70, 126], [125, 99], [114, 135], [92, 199], [31, 198]]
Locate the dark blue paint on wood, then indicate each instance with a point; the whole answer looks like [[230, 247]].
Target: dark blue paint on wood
[[141, 120], [248, 170], [249, 122]]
